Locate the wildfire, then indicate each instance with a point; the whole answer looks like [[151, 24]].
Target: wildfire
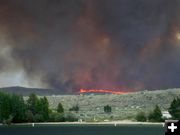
[[103, 91]]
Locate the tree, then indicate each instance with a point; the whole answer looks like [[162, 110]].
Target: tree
[[174, 108], [155, 115], [38, 107], [32, 103], [141, 117], [60, 108], [5, 106], [18, 108], [107, 109], [42, 110], [12, 108]]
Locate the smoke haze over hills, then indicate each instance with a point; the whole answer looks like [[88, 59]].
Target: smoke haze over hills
[[91, 44]]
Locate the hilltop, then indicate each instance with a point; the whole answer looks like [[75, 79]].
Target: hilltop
[[26, 91]]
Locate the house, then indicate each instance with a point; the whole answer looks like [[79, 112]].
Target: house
[[166, 115]]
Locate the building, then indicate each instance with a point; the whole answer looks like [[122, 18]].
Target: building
[[166, 115]]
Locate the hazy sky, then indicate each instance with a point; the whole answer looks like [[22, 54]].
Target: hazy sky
[[90, 44]]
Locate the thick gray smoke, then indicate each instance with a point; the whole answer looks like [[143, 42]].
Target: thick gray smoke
[[91, 44]]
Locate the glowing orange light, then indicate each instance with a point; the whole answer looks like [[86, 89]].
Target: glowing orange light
[[178, 36], [102, 91]]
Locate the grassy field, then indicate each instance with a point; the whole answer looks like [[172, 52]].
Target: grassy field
[[123, 106]]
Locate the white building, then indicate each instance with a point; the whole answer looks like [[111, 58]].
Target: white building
[[166, 115]]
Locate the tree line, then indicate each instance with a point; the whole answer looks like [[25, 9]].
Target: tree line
[[156, 115], [14, 109]]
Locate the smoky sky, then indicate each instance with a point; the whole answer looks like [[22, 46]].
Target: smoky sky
[[91, 44]]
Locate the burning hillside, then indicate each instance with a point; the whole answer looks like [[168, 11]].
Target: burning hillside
[[102, 91]]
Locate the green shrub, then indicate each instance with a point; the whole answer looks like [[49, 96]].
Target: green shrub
[[56, 117], [141, 117], [107, 109], [71, 118], [74, 108]]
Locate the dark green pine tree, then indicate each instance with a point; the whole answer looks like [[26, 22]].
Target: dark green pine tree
[[32, 103], [18, 108], [42, 110], [60, 108], [5, 106], [156, 115], [45, 108], [174, 108]]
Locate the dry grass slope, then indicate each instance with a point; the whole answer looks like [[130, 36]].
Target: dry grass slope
[[123, 106]]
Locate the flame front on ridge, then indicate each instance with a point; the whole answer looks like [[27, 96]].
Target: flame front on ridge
[[102, 91]]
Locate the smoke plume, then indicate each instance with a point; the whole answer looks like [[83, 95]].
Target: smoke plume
[[90, 44]]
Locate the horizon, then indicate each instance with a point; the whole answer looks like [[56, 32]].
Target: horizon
[[81, 91]]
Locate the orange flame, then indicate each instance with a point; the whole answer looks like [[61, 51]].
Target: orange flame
[[103, 91]]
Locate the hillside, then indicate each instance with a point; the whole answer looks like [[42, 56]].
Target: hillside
[[123, 106], [91, 105]]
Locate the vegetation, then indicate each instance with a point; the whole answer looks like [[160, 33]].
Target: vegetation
[[70, 117], [107, 109], [13, 109], [17, 109], [60, 108], [124, 106], [141, 117], [74, 108], [37, 109], [174, 108], [155, 115], [56, 117]]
